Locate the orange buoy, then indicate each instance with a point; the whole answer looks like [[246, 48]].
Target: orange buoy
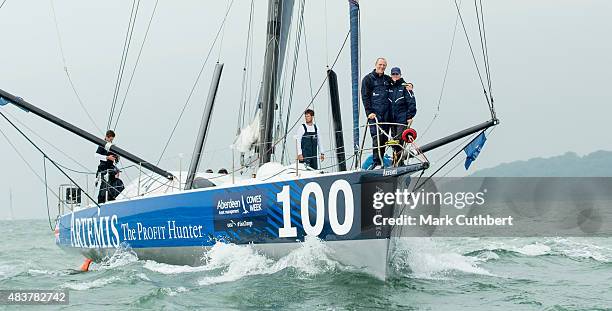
[[85, 265]]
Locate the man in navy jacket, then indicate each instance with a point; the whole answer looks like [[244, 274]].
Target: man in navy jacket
[[375, 98]]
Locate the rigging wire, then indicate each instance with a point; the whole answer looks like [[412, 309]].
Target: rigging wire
[[144, 40], [277, 141], [47, 193], [448, 60], [474, 58], [26, 162], [322, 83], [222, 37], [124, 54], [3, 2], [195, 83], [459, 162], [296, 55], [46, 156], [52, 146], [449, 160], [65, 63], [283, 84], [488, 96], [485, 51], [325, 29], [308, 63], [243, 99]]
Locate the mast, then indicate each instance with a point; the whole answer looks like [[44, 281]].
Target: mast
[[270, 81], [354, 18], [19, 102], [201, 139]]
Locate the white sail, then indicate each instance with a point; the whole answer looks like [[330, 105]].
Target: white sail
[[248, 135]]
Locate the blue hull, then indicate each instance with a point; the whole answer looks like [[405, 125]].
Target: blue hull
[[174, 228]]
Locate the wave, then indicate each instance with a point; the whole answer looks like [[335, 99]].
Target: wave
[[235, 262], [581, 248], [7, 270], [164, 268], [311, 258], [123, 255], [173, 291], [34, 272], [152, 299], [423, 258], [573, 248], [91, 284], [530, 250]]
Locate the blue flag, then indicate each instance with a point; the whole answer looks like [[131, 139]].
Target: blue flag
[[472, 150]]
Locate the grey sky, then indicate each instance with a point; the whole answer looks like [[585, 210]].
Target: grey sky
[[550, 60]]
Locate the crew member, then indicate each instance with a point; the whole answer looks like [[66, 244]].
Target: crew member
[[375, 98], [309, 141], [403, 109], [110, 185]]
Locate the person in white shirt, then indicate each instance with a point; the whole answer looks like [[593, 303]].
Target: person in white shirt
[[309, 141]]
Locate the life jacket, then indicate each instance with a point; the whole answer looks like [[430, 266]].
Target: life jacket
[[309, 146]]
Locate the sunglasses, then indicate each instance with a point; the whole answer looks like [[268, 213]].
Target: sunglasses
[[395, 74]]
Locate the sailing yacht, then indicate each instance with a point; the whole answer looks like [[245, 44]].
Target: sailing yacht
[[174, 217]]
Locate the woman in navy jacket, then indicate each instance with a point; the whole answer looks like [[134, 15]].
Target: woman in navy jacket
[[403, 107]]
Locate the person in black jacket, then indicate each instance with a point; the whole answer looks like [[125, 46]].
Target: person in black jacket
[[403, 108], [375, 98], [110, 185]]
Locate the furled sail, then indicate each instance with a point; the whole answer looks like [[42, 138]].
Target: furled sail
[[279, 21]]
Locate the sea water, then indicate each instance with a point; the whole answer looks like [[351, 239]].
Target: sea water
[[428, 273]]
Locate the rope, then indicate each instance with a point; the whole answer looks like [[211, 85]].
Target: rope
[[195, 83], [450, 53], [473, 57], [50, 160], [296, 55], [26, 161], [485, 53], [243, 91], [491, 130], [65, 63], [124, 54], [325, 30], [308, 62], [309, 104], [222, 37], [144, 40], [52, 145]]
